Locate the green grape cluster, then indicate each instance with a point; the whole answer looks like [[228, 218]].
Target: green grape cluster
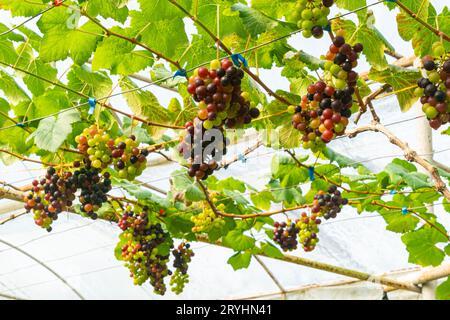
[[139, 249], [312, 16], [207, 219], [128, 159], [183, 255], [92, 143], [434, 89]]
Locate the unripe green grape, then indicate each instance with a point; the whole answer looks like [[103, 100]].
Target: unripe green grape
[[431, 112], [339, 84], [418, 92], [434, 77], [307, 24], [307, 33], [335, 69], [307, 14]]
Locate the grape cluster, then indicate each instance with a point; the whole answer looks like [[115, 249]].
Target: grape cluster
[[220, 97], [309, 228], [128, 159], [92, 143], [207, 219], [285, 234], [328, 204], [183, 255], [323, 114], [137, 221], [312, 16], [340, 61], [50, 196], [202, 150], [324, 111], [94, 188], [434, 90], [139, 250]]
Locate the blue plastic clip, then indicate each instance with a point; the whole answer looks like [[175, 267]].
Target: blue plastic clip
[[393, 192], [404, 210], [327, 28], [92, 104], [242, 158], [20, 125], [239, 60], [391, 1], [311, 173], [180, 73]]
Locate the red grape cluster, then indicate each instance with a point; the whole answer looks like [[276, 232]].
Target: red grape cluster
[[309, 228], [328, 204], [340, 61], [434, 91], [324, 111], [202, 150], [219, 95], [183, 255], [137, 221], [50, 196], [285, 234]]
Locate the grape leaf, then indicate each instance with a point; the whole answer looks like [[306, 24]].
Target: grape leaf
[[421, 245], [240, 260], [402, 80], [52, 132], [443, 290]]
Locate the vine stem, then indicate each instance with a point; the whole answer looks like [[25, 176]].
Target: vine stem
[[18, 156], [410, 154], [229, 52], [437, 32], [329, 268], [103, 104]]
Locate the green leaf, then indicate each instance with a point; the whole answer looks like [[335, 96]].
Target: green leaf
[[421, 245], [290, 137], [401, 170], [443, 290], [145, 104], [61, 40], [271, 251], [366, 34], [254, 21], [11, 89], [157, 20], [182, 184], [400, 79], [240, 260], [228, 184], [119, 56], [4, 109], [52, 132], [262, 200], [23, 8], [92, 84], [350, 5], [398, 222], [115, 9], [237, 241], [411, 30]]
